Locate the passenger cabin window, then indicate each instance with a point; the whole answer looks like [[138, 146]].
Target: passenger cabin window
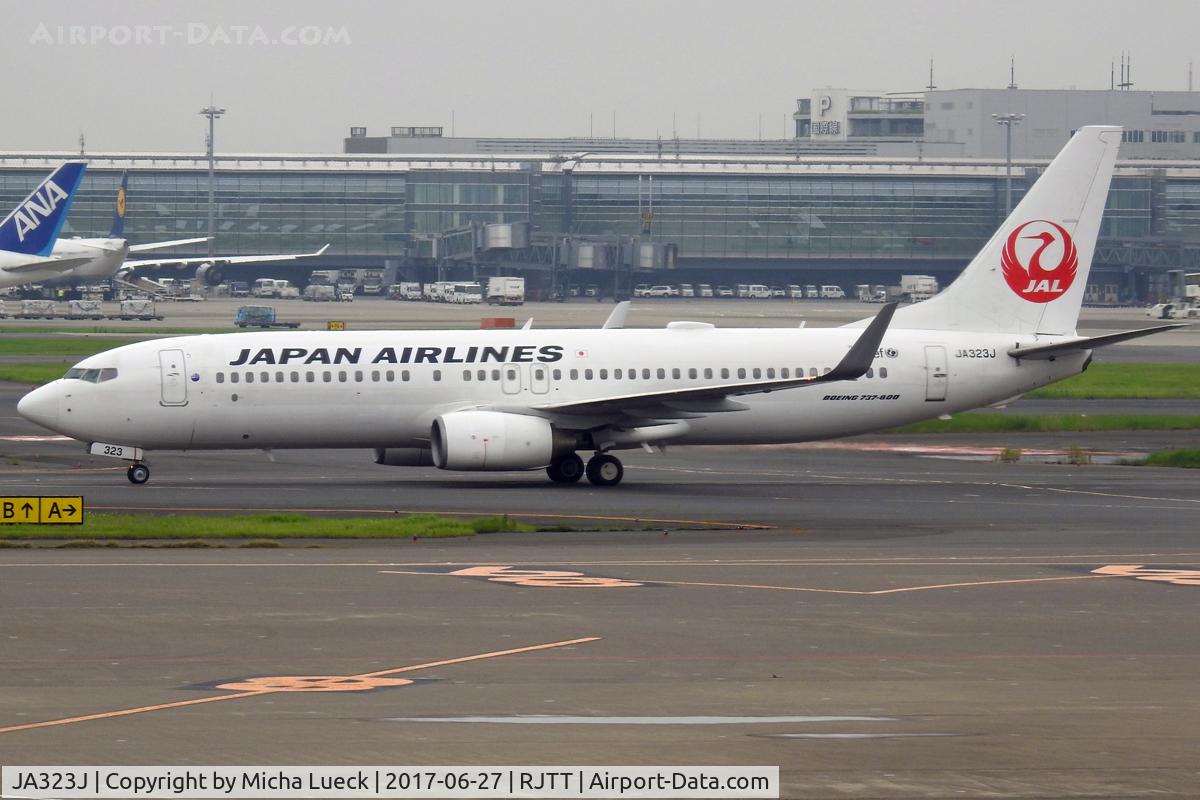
[[645, 374], [785, 373], [587, 374], [603, 374], [675, 373], [883, 372], [327, 377], [617, 374], [466, 374], [437, 374], [662, 373], [557, 374], [481, 374], [220, 377], [708, 373], [265, 377], [249, 377], [295, 377], [310, 377], [725, 372], [741, 372], [279, 377], [574, 374]]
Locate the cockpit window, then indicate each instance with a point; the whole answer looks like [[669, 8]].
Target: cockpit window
[[91, 375]]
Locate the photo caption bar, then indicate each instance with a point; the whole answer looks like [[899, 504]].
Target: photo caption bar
[[285, 783]]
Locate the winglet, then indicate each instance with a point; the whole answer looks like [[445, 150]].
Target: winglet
[[862, 353], [617, 318], [33, 226]]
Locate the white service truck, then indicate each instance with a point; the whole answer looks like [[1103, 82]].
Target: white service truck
[[504, 291], [918, 287]]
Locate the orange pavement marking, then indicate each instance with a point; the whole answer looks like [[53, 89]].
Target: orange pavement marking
[[256, 693]]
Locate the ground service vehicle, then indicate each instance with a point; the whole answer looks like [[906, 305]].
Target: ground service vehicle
[[810, 292], [918, 287], [704, 290], [319, 293], [260, 317], [795, 292], [756, 291], [686, 290], [724, 291], [830, 292], [506, 291], [466, 293]]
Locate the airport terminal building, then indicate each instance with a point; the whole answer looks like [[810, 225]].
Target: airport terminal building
[[586, 218]]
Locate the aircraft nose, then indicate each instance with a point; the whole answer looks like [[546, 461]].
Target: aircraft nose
[[40, 406]]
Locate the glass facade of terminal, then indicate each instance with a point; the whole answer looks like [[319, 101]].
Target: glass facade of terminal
[[721, 215]]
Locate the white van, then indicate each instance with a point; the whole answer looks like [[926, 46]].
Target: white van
[[757, 291], [832, 293]]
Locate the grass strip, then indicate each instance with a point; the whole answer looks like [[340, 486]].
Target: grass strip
[[1049, 423], [33, 374], [1186, 458], [129, 329], [102, 526], [1124, 381], [57, 345]]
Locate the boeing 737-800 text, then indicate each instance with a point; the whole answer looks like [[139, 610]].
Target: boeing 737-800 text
[[526, 399]]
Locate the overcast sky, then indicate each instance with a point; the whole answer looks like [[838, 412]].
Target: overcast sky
[[294, 76]]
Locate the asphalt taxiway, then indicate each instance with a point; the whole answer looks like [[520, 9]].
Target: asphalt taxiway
[[881, 617]]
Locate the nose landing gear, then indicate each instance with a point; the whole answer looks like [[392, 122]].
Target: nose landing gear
[[138, 473]]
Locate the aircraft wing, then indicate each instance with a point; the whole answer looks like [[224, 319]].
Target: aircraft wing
[[137, 248], [180, 262], [700, 400], [60, 264]]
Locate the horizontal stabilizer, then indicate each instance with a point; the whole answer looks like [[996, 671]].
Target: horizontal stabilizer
[[1045, 351]]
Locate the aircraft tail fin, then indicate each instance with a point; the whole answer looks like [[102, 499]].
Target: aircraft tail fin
[[118, 223], [1030, 276], [33, 226]]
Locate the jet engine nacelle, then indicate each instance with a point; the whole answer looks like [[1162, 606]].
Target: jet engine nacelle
[[491, 440], [211, 274], [404, 456]]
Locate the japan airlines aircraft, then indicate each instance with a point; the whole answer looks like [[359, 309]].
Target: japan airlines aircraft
[[530, 399], [97, 259], [28, 234]]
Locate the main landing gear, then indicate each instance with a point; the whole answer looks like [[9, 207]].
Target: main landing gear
[[138, 473], [602, 469]]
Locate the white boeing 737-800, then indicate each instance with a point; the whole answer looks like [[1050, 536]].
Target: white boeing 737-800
[[525, 399]]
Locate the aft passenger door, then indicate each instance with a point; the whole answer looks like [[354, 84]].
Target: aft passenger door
[[172, 367], [937, 374]]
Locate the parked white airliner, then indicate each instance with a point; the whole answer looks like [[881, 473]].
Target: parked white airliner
[[528, 399]]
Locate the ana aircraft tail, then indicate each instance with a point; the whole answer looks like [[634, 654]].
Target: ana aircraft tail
[[1030, 277], [118, 223], [33, 226]]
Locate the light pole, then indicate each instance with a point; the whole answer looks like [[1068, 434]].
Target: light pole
[[212, 112], [1008, 120]]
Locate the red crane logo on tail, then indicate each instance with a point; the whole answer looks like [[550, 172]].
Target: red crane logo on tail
[[1033, 279]]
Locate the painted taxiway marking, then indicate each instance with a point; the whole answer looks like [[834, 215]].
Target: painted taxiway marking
[[539, 578], [1177, 577], [296, 684], [536, 578]]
